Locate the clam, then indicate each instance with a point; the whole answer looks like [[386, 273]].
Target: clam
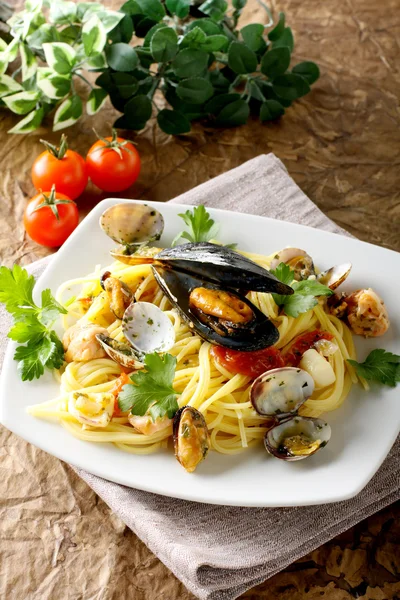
[[297, 259], [121, 353], [131, 225], [279, 393], [119, 293], [297, 438], [191, 437], [147, 328], [335, 276], [220, 316]]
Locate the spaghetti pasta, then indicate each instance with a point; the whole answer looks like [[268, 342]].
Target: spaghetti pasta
[[221, 396]]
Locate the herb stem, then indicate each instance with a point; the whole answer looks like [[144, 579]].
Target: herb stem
[[83, 79]]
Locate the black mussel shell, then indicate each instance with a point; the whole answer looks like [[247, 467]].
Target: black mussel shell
[[257, 334], [223, 266]]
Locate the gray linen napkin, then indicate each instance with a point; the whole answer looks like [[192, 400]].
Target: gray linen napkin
[[220, 552]]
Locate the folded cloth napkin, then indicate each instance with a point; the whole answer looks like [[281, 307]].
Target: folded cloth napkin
[[220, 552]]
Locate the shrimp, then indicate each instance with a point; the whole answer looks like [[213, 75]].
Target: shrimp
[[80, 342], [366, 313], [147, 426]]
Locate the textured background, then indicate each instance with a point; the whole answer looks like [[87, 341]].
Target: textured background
[[342, 146]]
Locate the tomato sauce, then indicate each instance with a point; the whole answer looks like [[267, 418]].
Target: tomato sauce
[[303, 343], [251, 364]]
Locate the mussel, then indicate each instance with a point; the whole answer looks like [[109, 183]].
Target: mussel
[[222, 317], [119, 293], [131, 225], [279, 393], [191, 437]]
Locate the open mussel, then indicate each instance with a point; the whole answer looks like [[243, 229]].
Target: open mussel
[[191, 437], [131, 225], [221, 316], [279, 393], [222, 266]]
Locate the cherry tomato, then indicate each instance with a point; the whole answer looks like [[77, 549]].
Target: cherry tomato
[[252, 364], [113, 164], [303, 343], [122, 380], [41, 222], [61, 167]]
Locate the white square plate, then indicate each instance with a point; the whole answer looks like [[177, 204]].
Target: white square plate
[[363, 429]]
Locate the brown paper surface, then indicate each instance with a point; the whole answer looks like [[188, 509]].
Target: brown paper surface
[[341, 144]]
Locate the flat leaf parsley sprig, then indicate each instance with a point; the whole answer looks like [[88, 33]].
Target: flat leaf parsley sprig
[[32, 324], [151, 390], [201, 227], [380, 366], [305, 294]]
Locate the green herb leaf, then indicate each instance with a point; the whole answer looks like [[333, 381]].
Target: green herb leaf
[[195, 90], [153, 9], [270, 110], [241, 59], [193, 38], [180, 8], [214, 8], [137, 112], [209, 26], [234, 114], [308, 70], [164, 44], [189, 62], [53, 85], [290, 86], [275, 62], [279, 28], [28, 62], [217, 103], [121, 57], [173, 122], [202, 228], [285, 39], [31, 323], [214, 43], [253, 36], [62, 13], [8, 86], [381, 366], [305, 292], [152, 390]]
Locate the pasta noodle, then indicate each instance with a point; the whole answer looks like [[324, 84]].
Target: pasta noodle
[[222, 396]]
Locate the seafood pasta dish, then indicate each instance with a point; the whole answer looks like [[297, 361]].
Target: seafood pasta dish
[[203, 347]]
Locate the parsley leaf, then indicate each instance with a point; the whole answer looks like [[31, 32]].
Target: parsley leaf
[[202, 228], [305, 292], [151, 390], [32, 323], [380, 366]]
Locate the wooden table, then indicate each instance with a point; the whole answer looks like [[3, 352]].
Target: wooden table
[[342, 146]]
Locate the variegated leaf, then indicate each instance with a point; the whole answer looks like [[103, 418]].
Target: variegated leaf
[[67, 113], [28, 62], [96, 99], [54, 86], [60, 57], [94, 36], [29, 123], [8, 85], [22, 102]]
